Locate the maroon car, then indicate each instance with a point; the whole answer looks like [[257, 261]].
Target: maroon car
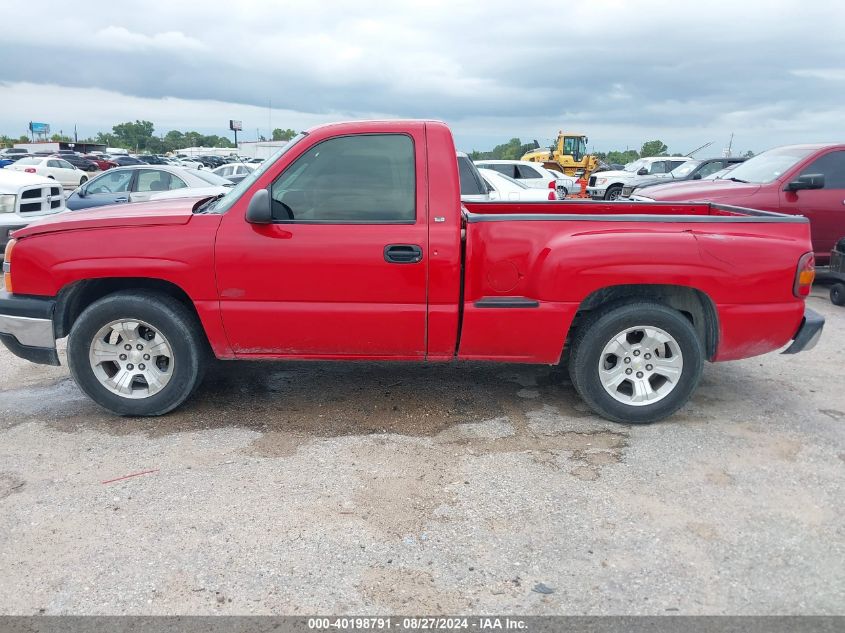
[[101, 161], [806, 180]]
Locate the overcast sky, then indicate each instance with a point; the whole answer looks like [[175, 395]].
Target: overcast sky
[[622, 72]]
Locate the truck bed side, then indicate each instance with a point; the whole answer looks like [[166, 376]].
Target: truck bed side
[[530, 268]]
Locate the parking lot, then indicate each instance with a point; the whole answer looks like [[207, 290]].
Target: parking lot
[[375, 488]]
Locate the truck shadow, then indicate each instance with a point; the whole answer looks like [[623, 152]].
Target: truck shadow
[[328, 399]]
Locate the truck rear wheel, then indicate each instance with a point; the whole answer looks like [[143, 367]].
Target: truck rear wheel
[[636, 363], [837, 294], [137, 353]]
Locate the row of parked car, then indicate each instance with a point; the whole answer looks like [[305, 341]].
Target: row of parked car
[[801, 179], [512, 180], [33, 187]]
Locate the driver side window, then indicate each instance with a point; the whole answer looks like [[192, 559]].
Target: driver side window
[[368, 178], [110, 182], [658, 167], [832, 167]]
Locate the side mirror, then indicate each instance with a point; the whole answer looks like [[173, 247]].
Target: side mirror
[[697, 177], [81, 192], [806, 181], [642, 172], [259, 210]]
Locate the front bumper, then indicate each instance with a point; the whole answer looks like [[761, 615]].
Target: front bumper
[[596, 192], [5, 232], [808, 334], [26, 327]]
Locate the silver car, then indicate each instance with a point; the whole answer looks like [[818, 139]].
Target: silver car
[[138, 183]]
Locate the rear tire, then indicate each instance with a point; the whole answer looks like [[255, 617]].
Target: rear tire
[[138, 325], [647, 376], [837, 294]]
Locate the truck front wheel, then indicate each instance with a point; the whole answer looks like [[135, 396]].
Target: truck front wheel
[[636, 363], [137, 353], [613, 192]]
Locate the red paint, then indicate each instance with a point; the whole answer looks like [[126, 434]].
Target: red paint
[[325, 290]]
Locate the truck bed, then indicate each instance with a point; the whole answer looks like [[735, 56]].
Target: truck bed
[[623, 210], [529, 266]]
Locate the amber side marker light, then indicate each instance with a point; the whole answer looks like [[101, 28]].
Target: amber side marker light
[[805, 275], [7, 265]]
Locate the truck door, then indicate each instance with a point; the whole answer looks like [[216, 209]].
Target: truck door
[[824, 207], [341, 271]]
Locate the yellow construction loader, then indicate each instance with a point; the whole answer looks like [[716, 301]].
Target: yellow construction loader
[[568, 154]]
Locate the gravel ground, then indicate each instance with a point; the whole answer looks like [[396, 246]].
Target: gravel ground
[[302, 488]]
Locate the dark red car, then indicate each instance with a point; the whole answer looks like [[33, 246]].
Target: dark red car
[[806, 180], [102, 163]]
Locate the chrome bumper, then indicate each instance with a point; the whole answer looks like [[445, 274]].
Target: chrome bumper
[[26, 328], [29, 331], [808, 333]]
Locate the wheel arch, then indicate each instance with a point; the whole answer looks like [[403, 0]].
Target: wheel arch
[[75, 297], [694, 304]]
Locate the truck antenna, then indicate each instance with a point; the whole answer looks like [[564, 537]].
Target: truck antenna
[[698, 149]]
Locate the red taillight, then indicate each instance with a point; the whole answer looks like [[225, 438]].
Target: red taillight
[[29, 170], [552, 184], [552, 195], [804, 275]]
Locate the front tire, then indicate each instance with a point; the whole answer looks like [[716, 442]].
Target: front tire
[[636, 363], [83, 180], [837, 294], [137, 353], [613, 192]]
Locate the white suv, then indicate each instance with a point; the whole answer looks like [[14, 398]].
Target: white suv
[[24, 198]]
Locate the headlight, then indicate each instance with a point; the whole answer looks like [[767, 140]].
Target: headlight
[[601, 181], [7, 203]]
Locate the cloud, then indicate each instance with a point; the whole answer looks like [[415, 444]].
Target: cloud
[[119, 38], [656, 68], [826, 74]]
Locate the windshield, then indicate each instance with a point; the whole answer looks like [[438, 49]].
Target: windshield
[[225, 203], [29, 161], [636, 165], [768, 166], [212, 179], [685, 169]]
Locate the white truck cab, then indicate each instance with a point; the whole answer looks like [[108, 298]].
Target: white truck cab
[[24, 198]]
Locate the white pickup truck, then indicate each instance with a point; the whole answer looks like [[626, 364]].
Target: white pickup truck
[[25, 197]]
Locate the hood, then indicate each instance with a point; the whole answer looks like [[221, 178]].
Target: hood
[[191, 192], [619, 173], [19, 178], [158, 213], [713, 190]]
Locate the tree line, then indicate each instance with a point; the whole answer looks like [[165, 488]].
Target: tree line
[[139, 136], [515, 149]]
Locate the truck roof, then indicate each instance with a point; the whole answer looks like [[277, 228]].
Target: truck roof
[[388, 123]]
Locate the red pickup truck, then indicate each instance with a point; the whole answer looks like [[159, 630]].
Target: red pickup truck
[[806, 180], [352, 243]]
